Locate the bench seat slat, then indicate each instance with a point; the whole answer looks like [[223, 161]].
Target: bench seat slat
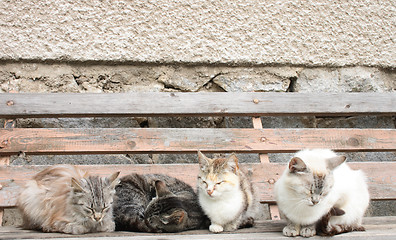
[[381, 228], [381, 183], [195, 104], [189, 140]]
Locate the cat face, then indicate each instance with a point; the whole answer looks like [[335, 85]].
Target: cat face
[[166, 212], [310, 185], [92, 197], [217, 176]]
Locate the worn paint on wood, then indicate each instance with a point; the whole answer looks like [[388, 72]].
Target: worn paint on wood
[[189, 140], [264, 175], [195, 104]]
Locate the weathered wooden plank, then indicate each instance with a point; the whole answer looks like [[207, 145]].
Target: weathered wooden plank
[[382, 182], [376, 228], [195, 104], [189, 140], [5, 160]]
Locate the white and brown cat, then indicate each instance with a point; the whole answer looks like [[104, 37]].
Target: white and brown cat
[[64, 198], [318, 189], [225, 194]]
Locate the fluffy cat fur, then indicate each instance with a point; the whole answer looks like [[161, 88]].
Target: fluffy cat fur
[[225, 194], [64, 198], [156, 203], [318, 191]]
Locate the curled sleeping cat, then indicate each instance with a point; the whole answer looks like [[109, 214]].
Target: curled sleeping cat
[[225, 193], [318, 188], [156, 203], [64, 198]]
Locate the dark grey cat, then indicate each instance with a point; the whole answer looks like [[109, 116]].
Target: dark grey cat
[[156, 203]]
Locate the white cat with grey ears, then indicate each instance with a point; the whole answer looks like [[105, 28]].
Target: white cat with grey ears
[[319, 191]]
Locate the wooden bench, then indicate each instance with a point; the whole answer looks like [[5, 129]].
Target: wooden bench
[[259, 140]]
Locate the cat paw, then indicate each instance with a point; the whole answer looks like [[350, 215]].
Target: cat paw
[[215, 228], [108, 227], [290, 231], [74, 229], [309, 231]]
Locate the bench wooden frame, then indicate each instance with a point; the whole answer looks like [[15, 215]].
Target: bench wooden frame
[[53, 141]]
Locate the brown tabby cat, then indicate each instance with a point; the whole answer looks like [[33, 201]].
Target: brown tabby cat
[[64, 198]]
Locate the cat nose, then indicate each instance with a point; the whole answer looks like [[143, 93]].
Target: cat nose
[[315, 201], [210, 192], [97, 217]]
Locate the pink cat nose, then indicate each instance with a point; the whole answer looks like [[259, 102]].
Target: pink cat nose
[[97, 217], [210, 192]]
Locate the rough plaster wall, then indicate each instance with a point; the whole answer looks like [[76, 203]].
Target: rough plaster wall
[[314, 32]]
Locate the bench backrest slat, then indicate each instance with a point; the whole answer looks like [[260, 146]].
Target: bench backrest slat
[[189, 140], [195, 104]]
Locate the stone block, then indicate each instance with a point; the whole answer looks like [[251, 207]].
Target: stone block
[[251, 80]]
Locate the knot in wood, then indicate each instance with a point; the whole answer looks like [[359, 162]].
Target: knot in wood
[[353, 142], [348, 106], [131, 144], [10, 103], [1, 186], [256, 101], [271, 181], [263, 139]]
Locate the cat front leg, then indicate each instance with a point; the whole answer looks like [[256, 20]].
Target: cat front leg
[[308, 231], [291, 230]]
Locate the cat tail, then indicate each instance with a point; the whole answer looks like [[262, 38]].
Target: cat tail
[[323, 228], [253, 204], [247, 222]]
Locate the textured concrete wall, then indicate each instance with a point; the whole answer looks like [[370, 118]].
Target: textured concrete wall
[[309, 32]]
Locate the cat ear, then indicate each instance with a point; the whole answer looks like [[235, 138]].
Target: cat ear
[[335, 162], [161, 189], [233, 162], [76, 185], [297, 165], [113, 179], [176, 217], [202, 159]]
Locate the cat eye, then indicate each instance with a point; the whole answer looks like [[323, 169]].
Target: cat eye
[[105, 208], [88, 209], [218, 183], [203, 181]]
